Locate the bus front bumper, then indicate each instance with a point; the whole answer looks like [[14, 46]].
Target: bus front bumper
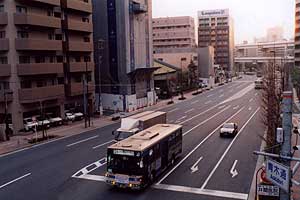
[[133, 183]]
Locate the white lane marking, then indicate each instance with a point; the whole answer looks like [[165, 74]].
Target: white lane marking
[[93, 177], [101, 145], [173, 110], [240, 94], [251, 100], [221, 107], [256, 94], [250, 108], [215, 193], [200, 144], [81, 141], [181, 118], [203, 122], [86, 169], [10, 182], [236, 107], [208, 102], [190, 110], [228, 148], [233, 170], [210, 95], [222, 95], [195, 168], [194, 102], [189, 119]]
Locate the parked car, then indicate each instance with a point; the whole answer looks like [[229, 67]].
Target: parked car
[[69, 116], [42, 122], [29, 124], [229, 129], [54, 121], [78, 115]]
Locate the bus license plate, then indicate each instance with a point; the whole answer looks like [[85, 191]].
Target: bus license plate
[[122, 179]]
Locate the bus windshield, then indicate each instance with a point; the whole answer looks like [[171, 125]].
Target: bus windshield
[[125, 164]]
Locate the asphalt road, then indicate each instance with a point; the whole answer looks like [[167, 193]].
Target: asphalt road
[[225, 165]]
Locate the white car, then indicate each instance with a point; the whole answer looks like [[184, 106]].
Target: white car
[[43, 122], [69, 116], [229, 129], [78, 116], [29, 124], [55, 121]]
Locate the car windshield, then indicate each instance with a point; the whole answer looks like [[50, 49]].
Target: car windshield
[[228, 126]]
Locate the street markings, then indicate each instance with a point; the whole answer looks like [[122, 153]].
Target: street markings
[[101, 145], [193, 150], [210, 95], [195, 168], [15, 180], [181, 118], [233, 170], [194, 102], [256, 94], [251, 100], [190, 110], [250, 108], [227, 150], [236, 107], [239, 94], [173, 110], [222, 107], [207, 102], [84, 172], [222, 95], [190, 118], [203, 122], [81, 141]]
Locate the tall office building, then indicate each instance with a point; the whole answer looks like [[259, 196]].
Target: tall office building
[[125, 63], [45, 48], [173, 32], [216, 29], [297, 34]]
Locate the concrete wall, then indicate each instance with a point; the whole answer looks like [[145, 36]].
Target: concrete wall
[[206, 62]]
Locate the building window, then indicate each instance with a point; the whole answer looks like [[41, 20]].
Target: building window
[[24, 59], [58, 37], [2, 34], [60, 59], [60, 80], [86, 19], [1, 8], [86, 39], [21, 9], [39, 59], [3, 60], [41, 83], [87, 59], [51, 59], [50, 36], [23, 34], [77, 59], [26, 84], [77, 79], [50, 13]]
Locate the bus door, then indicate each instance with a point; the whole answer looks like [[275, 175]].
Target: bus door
[[164, 154]]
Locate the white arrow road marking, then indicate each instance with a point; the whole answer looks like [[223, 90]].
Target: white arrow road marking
[[10, 182], [236, 107], [195, 168], [84, 171], [233, 170]]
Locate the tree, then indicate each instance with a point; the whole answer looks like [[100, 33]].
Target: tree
[[193, 75]]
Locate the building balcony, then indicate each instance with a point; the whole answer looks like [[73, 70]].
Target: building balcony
[[37, 20], [75, 25], [48, 2], [81, 66], [3, 18], [40, 68], [8, 94], [4, 44], [75, 89], [79, 46], [25, 44], [77, 5], [5, 70], [31, 95]]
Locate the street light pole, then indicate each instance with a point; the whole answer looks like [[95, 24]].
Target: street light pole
[[181, 80]]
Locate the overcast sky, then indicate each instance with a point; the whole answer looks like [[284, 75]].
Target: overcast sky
[[251, 17]]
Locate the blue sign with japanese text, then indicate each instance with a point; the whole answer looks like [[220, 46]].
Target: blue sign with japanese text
[[278, 174]]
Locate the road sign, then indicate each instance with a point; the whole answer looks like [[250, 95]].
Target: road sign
[[279, 135], [268, 190], [278, 174]]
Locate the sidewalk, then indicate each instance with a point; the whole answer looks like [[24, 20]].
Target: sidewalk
[[21, 141]]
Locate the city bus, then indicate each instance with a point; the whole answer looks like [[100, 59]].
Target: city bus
[[137, 161]]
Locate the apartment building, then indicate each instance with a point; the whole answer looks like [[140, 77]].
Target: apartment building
[[173, 32], [46, 47], [216, 29], [297, 34], [126, 65]]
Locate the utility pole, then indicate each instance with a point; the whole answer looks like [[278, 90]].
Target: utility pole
[[100, 51], [181, 90], [87, 92], [287, 129], [84, 99]]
